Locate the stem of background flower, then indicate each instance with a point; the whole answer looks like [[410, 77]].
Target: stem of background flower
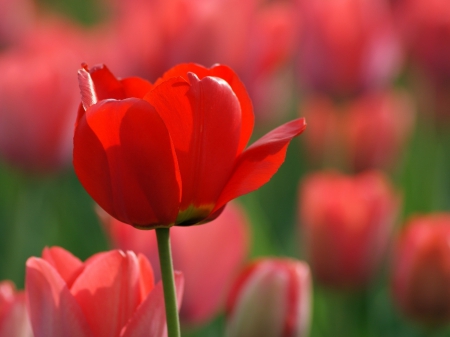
[[170, 297]]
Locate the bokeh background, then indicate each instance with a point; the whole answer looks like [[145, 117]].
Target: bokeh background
[[372, 78]]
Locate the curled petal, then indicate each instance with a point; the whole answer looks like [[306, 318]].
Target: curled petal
[[256, 165]]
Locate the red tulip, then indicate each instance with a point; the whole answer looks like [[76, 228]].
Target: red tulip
[[209, 257], [38, 98], [421, 269], [172, 153], [111, 294], [271, 298], [348, 132], [348, 46], [345, 225], [14, 321]]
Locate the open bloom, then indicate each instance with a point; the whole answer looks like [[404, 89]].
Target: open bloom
[[271, 298], [346, 223], [421, 269], [171, 153], [209, 257], [112, 294], [14, 321]]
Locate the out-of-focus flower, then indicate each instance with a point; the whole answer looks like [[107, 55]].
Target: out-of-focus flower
[[39, 98], [14, 321], [368, 132], [345, 224], [209, 257], [111, 294], [16, 17], [254, 37], [271, 298], [348, 46], [421, 269], [171, 154]]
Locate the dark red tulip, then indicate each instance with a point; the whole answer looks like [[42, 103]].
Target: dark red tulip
[[421, 269], [172, 153]]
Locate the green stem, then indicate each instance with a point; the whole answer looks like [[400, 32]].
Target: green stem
[[170, 298]]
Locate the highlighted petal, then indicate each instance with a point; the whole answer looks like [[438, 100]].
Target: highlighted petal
[[150, 318], [256, 165], [52, 308], [199, 117], [108, 292], [124, 157]]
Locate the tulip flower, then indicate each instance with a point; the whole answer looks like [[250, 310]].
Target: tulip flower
[[349, 46], [209, 257], [14, 321], [421, 269], [345, 224], [271, 298], [346, 132], [171, 153], [111, 294]]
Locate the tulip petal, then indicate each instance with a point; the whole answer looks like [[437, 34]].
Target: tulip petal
[[108, 292], [256, 165], [235, 83], [199, 117], [146, 277], [124, 157], [14, 321], [150, 318], [135, 87], [67, 265], [53, 310]]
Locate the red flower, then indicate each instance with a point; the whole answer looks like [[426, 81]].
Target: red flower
[[345, 223], [14, 321], [172, 153], [111, 294], [421, 269]]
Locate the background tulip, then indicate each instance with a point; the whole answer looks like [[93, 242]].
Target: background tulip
[[421, 269], [209, 257], [345, 224], [14, 321], [200, 121], [111, 294], [270, 298]]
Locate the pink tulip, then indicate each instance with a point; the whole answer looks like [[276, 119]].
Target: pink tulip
[[39, 97], [209, 257], [368, 132], [348, 45], [345, 224], [16, 17], [271, 298], [421, 269], [112, 294], [14, 321]]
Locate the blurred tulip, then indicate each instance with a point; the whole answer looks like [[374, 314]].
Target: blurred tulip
[[14, 321], [39, 98], [16, 18], [172, 153], [421, 269], [345, 224], [368, 132], [111, 294], [209, 257], [271, 298], [350, 45], [254, 37]]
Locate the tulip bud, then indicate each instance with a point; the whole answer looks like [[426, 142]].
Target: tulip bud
[[14, 321], [345, 225], [271, 298], [421, 269]]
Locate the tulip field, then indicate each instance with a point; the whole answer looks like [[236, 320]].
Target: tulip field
[[224, 168]]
